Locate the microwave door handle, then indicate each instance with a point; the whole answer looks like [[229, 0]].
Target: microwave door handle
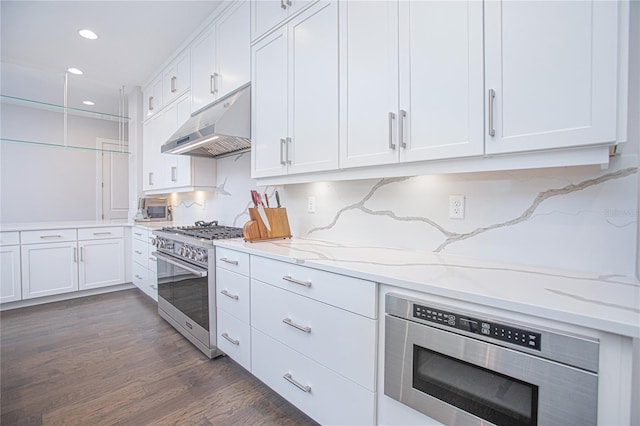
[[183, 265]]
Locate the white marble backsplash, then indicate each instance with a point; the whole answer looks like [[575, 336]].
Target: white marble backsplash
[[580, 218]]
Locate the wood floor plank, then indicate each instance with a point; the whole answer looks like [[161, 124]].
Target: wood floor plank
[[110, 359]]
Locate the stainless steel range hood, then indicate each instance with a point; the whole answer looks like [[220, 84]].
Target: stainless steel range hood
[[221, 128]]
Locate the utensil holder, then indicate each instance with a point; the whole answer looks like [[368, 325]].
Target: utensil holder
[[255, 229]]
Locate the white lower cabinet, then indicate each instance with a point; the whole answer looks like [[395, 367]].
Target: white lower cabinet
[[320, 392], [144, 265], [234, 338], [10, 281], [49, 268], [101, 263]]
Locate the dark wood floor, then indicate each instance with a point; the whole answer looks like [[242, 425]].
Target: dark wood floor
[[110, 359]]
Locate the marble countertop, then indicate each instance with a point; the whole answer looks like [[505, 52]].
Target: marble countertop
[[608, 303], [35, 226]]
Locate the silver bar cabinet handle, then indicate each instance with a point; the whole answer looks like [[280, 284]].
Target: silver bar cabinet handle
[[282, 143], [492, 95], [150, 178], [293, 280], [294, 325], [303, 388], [173, 84], [44, 237], [282, 5], [102, 233], [232, 296], [81, 254], [75, 254], [288, 143], [174, 174], [150, 103], [214, 83], [403, 115], [234, 341], [137, 252], [392, 116], [233, 262], [138, 277], [138, 234], [289, 3]]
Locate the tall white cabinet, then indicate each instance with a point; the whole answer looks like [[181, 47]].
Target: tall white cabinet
[[10, 281], [551, 74], [295, 112]]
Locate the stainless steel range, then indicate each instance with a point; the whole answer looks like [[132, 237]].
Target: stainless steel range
[[186, 280]]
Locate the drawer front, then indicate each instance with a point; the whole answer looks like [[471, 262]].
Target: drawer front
[[331, 399], [232, 260], [340, 340], [234, 338], [140, 276], [233, 293], [11, 238], [100, 233], [352, 294], [48, 236], [141, 234], [140, 252]]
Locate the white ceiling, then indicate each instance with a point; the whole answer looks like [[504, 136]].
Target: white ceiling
[[135, 39]]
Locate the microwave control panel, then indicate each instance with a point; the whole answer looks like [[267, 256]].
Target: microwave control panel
[[497, 331]]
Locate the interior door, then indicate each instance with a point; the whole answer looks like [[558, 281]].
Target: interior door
[[114, 185]]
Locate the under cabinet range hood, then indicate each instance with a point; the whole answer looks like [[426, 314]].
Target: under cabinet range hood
[[221, 128]]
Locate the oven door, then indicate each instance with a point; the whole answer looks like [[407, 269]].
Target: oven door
[[458, 380], [183, 295]]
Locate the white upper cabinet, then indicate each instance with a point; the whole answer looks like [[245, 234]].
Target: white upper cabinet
[[267, 14], [413, 81], [552, 67], [295, 107], [177, 168], [176, 77], [220, 57], [151, 159], [441, 80], [152, 97]]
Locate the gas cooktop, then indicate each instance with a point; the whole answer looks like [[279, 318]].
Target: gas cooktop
[[206, 231]]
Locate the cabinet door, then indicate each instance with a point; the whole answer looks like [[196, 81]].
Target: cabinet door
[[152, 97], [269, 105], [176, 78], [177, 167], [233, 49], [313, 89], [101, 263], [10, 286], [203, 70], [553, 67], [266, 14], [151, 160], [370, 93], [441, 80], [49, 269]]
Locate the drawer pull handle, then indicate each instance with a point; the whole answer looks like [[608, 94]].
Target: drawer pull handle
[[233, 262], [293, 280], [155, 287], [44, 237], [102, 233], [138, 277], [137, 252], [138, 234], [303, 388], [234, 341], [151, 258], [294, 325], [232, 296]]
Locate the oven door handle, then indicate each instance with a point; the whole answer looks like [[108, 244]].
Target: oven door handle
[[183, 265]]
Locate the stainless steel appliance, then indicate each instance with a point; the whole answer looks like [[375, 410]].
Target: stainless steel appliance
[[463, 368], [186, 280], [220, 128], [153, 209]]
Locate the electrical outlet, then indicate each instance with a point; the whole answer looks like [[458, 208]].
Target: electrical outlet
[[456, 206], [311, 204]]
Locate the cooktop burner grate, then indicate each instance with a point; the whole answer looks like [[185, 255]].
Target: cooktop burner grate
[[206, 231]]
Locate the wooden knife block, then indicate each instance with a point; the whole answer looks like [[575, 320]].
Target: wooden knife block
[[255, 230]]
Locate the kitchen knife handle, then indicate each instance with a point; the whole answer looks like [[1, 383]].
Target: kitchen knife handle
[[282, 143], [492, 95], [392, 116], [403, 115], [173, 84], [288, 143], [278, 199]]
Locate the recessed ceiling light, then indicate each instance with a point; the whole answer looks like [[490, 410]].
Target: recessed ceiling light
[[88, 34], [88, 103], [75, 71]]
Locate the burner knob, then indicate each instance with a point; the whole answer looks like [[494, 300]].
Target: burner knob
[[161, 243], [200, 255], [181, 251], [193, 254], [187, 251], [154, 242]]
